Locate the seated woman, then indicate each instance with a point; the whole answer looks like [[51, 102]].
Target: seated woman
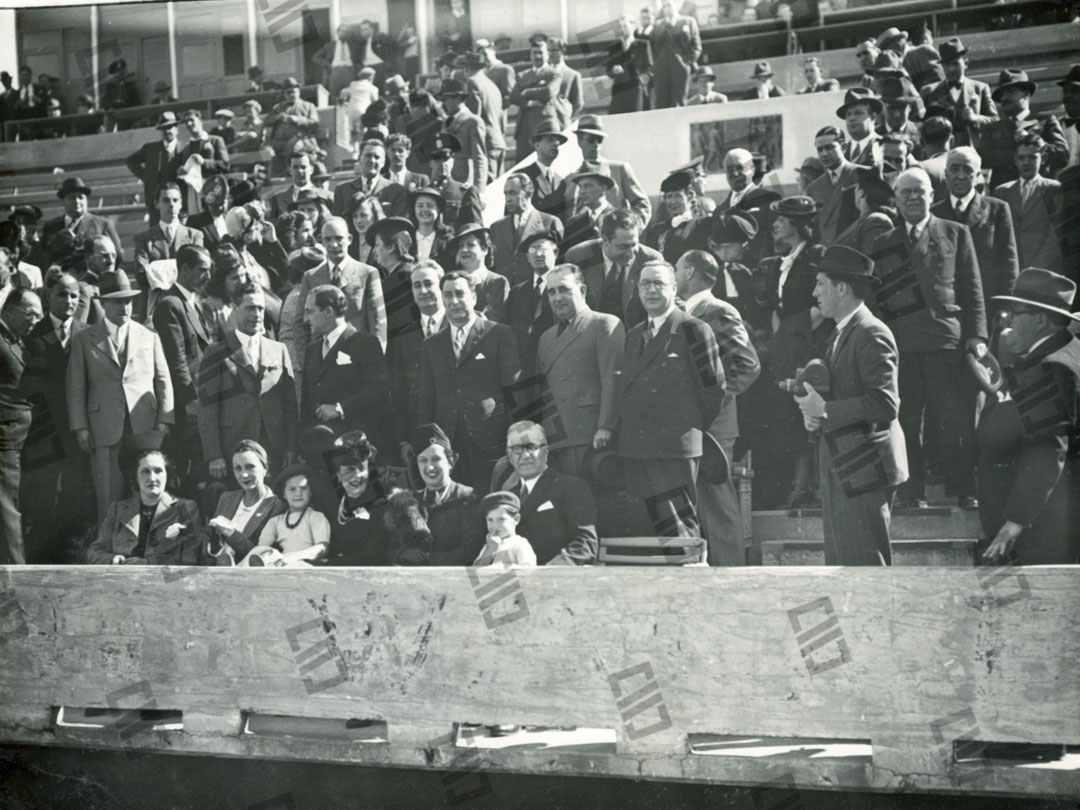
[[452, 515], [241, 514], [153, 527], [358, 534], [300, 535], [471, 249]]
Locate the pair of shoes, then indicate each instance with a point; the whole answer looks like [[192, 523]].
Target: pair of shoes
[[969, 503], [912, 503]]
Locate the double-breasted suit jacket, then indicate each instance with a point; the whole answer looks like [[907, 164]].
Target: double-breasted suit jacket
[[974, 95], [363, 290], [830, 198], [579, 368], [606, 292], [238, 401], [678, 374], [470, 391], [505, 240], [119, 533], [558, 518], [992, 232], [403, 356], [353, 375], [1036, 222], [101, 390]]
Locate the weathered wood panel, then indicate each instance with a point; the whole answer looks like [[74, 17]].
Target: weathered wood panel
[[909, 659]]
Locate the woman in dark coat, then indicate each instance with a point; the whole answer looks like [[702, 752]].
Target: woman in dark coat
[[358, 534], [242, 513], [629, 65], [427, 207]]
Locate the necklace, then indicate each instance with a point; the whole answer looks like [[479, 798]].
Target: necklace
[[294, 525]]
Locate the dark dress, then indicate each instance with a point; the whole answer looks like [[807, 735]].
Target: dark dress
[[456, 526], [358, 535], [629, 89]]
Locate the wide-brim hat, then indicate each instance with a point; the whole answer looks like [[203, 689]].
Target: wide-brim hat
[[395, 84], [894, 90], [734, 226], [427, 191], [605, 180], [762, 70], [797, 207], [841, 260], [31, 212], [162, 87], [526, 243], [73, 185], [859, 95], [166, 120], [388, 225], [468, 229], [602, 467], [451, 87], [1072, 78], [290, 83], [714, 466], [548, 127], [117, 65], [1013, 78], [1044, 289], [952, 49], [889, 34], [115, 285], [590, 125]]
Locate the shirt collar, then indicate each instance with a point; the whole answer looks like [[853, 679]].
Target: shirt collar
[[697, 298], [116, 333], [335, 333], [920, 226], [530, 483], [246, 340], [438, 316], [185, 293], [840, 324], [56, 322], [658, 320], [467, 327], [965, 201]]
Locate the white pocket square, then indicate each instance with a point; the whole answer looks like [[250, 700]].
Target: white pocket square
[[480, 356], [545, 506], [674, 355], [343, 359]]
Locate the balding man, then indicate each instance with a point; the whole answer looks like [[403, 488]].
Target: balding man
[[931, 297], [748, 196]]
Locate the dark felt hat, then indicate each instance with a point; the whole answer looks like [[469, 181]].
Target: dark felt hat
[[1072, 78], [426, 435], [952, 49], [73, 185], [549, 126], [451, 87], [496, 499], [840, 260], [1013, 78], [602, 467], [859, 95], [290, 83], [734, 226], [115, 285], [526, 243], [605, 180], [293, 470], [242, 192], [677, 181], [31, 212], [762, 70], [307, 195], [468, 229], [797, 207], [389, 225], [894, 90], [427, 191], [1044, 289]]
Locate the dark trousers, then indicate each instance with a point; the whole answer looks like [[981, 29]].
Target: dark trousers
[[59, 507], [856, 526], [474, 467], [932, 386], [671, 80], [11, 543], [721, 521], [668, 489]]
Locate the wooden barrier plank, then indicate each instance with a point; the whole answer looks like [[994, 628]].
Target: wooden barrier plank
[[70, 153], [655, 654]]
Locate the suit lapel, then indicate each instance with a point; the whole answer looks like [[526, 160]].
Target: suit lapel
[[129, 518], [651, 349], [480, 328], [102, 341], [326, 363], [574, 330], [195, 320]]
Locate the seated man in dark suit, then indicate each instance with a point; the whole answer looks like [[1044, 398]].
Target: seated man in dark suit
[[83, 225], [558, 513]]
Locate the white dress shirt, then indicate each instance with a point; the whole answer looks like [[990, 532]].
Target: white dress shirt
[[332, 337], [960, 204], [250, 346], [65, 336], [424, 244]]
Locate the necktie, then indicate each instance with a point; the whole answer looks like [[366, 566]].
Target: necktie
[[832, 346], [650, 330], [63, 335], [523, 492], [459, 341], [913, 234], [335, 275], [563, 325], [1025, 190], [325, 347], [429, 326]]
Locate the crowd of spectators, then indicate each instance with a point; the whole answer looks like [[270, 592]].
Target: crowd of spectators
[[423, 389]]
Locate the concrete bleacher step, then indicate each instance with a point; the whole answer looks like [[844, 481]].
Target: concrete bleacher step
[[951, 552], [932, 523]]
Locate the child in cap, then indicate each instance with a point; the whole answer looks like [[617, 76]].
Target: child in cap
[[302, 533], [502, 511]]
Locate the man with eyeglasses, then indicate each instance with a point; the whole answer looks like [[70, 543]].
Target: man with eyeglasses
[[22, 311], [932, 300], [558, 512], [671, 388]]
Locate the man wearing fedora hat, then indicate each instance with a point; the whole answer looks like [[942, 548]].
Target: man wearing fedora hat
[[704, 81], [301, 168], [292, 121], [676, 46], [968, 99], [485, 100], [77, 220], [528, 311], [1035, 202], [626, 192], [1028, 478], [763, 83], [153, 162], [997, 139], [536, 96], [861, 455], [897, 116], [1070, 95], [118, 385], [470, 162], [858, 113], [547, 192], [593, 205], [922, 62], [522, 220]]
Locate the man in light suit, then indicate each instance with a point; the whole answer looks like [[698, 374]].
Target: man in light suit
[[160, 243], [671, 366], [536, 95], [369, 181], [969, 99], [931, 298], [83, 225], [676, 46], [246, 390], [345, 375], [861, 456], [696, 274], [626, 193], [152, 164], [828, 190], [571, 99], [577, 359], [360, 282], [470, 163], [1035, 202], [300, 169], [118, 386], [522, 220], [465, 372], [486, 101]]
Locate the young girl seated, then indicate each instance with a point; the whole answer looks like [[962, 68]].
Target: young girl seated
[[301, 535], [503, 546]]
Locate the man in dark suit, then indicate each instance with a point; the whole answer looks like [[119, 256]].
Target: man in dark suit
[[1035, 202], [536, 95], [828, 191], [246, 390], [184, 336], [300, 169], [522, 220], [528, 312], [204, 150], [931, 298], [968, 99], [83, 225], [369, 180], [159, 244], [21, 312], [547, 183], [1027, 474], [696, 274], [55, 470], [470, 162], [746, 195], [345, 375], [763, 83], [153, 163], [611, 265], [484, 99], [592, 206], [464, 373], [578, 358], [399, 148], [671, 368], [858, 113], [676, 46], [558, 513], [861, 456]]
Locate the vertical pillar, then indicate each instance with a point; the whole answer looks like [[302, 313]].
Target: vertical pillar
[[174, 74], [252, 34], [335, 18], [95, 59], [564, 21], [423, 31]]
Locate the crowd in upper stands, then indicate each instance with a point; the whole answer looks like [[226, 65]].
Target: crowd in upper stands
[[423, 389]]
